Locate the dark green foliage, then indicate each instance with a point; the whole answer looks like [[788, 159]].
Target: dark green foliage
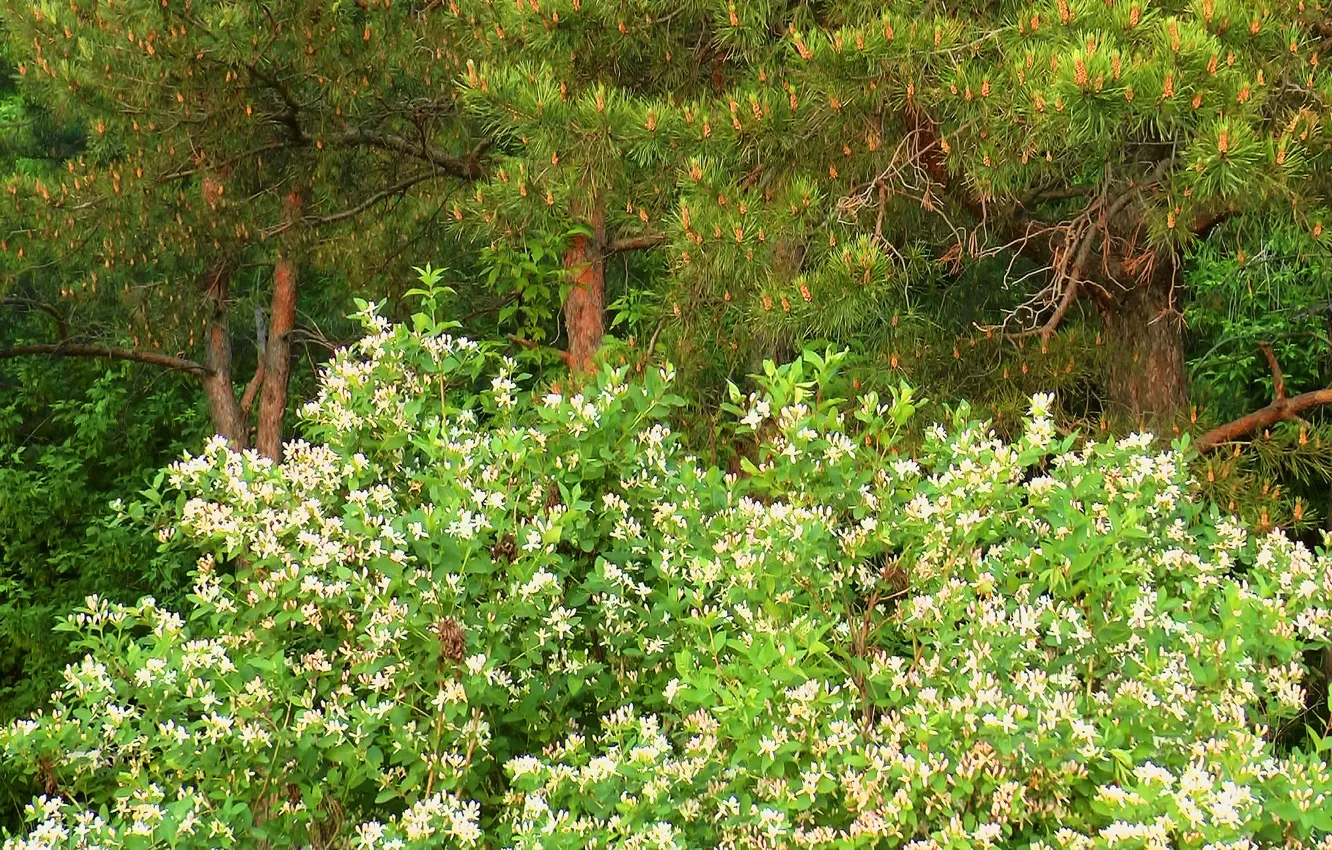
[[71, 441], [1274, 289], [1252, 288]]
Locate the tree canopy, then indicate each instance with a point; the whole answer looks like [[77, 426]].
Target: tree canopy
[[681, 231], [799, 171]]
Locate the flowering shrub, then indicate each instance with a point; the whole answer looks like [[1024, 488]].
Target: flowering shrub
[[466, 614]]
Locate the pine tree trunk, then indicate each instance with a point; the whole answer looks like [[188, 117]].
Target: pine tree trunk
[[584, 306], [277, 350], [1147, 379], [222, 406]]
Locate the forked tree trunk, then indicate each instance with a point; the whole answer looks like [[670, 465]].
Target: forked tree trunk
[[217, 384], [1145, 338], [277, 350], [584, 306]]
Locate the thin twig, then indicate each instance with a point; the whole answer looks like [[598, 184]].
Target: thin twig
[[1278, 380], [40, 306]]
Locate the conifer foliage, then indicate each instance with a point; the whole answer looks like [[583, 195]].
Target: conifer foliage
[[221, 137], [799, 169]]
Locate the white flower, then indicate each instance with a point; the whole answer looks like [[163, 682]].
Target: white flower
[[475, 664], [1041, 405]]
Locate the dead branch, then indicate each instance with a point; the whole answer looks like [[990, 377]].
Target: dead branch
[[107, 352], [1278, 380], [878, 219], [39, 306], [635, 243], [1071, 260]]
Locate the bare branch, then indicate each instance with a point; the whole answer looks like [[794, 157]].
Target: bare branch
[[1079, 238], [1278, 380], [107, 352], [1280, 410], [635, 243], [878, 219], [315, 220], [1052, 324], [652, 343], [40, 306], [468, 168]]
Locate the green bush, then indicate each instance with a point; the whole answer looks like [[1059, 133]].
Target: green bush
[[470, 613], [68, 448], [71, 442]]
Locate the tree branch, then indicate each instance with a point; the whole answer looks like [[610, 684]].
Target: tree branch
[[41, 306], [291, 117], [1056, 193], [182, 173], [530, 345], [468, 168], [1281, 409], [1052, 324], [107, 352], [635, 243], [1082, 232], [1278, 380], [217, 385], [315, 220], [247, 400]]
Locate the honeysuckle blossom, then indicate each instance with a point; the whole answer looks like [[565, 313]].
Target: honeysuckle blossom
[[470, 611]]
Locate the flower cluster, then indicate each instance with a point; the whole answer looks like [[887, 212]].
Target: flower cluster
[[472, 612]]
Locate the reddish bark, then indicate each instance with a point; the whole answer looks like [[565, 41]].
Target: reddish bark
[[222, 407], [635, 243], [277, 350], [1147, 380], [1281, 409], [584, 306], [252, 391]]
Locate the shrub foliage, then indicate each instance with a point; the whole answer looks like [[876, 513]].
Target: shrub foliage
[[470, 613]]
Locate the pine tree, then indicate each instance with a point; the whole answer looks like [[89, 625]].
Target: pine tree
[[221, 137], [828, 159], [801, 170]]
